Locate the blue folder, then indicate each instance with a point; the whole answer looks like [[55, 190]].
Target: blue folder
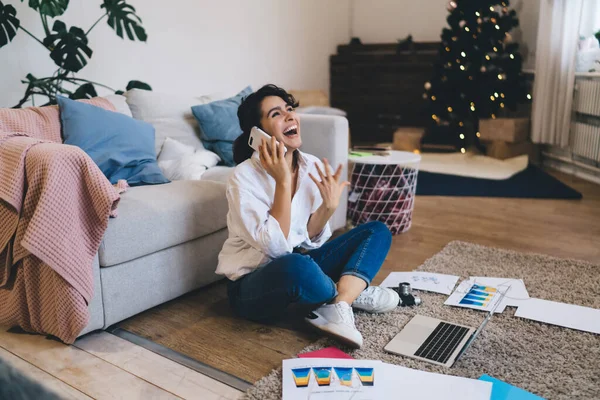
[[503, 391]]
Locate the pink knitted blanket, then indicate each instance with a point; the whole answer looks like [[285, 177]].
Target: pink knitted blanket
[[54, 208]]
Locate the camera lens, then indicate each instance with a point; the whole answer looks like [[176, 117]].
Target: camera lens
[[404, 289]]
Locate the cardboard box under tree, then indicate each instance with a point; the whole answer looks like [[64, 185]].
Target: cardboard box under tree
[[408, 138], [511, 130], [504, 150]]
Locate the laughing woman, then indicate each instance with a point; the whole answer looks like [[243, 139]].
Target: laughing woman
[[279, 203]]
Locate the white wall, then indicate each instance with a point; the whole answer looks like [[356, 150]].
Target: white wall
[[194, 46], [386, 21], [203, 46]]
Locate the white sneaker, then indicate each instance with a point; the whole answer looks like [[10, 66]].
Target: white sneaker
[[337, 320], [376, 299]]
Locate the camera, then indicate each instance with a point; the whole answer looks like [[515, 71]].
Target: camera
[[406, 296]]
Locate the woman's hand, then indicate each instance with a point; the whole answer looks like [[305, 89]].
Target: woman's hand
[[330, 186], [272, 158]]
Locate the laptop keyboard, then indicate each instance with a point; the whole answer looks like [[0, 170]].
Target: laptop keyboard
[[442, 342]]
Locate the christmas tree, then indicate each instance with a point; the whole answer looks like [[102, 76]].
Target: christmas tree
[[478, 73]]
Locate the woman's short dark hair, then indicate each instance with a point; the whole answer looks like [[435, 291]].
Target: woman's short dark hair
[[249, 114]]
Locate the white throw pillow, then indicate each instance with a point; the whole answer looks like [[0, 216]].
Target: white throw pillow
[[172, 150], [171, 115], [120, 103], [179, 161]]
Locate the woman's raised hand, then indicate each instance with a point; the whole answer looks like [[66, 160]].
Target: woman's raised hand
[[330, 186], [272, 158]]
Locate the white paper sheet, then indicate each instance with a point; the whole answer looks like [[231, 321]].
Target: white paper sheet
[[390, 382], [472, 295], [343, 383], [407, 383], [568, 315], [431, 282], [514, 289]]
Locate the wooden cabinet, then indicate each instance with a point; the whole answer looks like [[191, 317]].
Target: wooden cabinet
[[380, 87]]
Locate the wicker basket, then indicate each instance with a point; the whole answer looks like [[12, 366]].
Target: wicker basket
[[383, 189]]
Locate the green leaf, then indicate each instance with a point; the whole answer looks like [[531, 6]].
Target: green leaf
[[9, 23], [50, 8], [122, 17], [85, 91], [138, 85], [68, 49]]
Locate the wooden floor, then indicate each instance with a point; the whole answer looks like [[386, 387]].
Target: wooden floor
[[200, 324], [103, 366]]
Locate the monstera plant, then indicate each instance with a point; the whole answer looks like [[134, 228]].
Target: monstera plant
[[68, 47]]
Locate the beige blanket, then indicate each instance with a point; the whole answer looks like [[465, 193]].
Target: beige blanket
[[54, 208]]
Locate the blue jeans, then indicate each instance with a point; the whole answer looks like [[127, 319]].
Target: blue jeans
[[309, 279]]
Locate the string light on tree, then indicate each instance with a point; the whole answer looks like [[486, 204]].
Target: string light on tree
[[493, 64]]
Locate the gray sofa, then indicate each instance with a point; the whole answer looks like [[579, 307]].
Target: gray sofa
[[166, 238]]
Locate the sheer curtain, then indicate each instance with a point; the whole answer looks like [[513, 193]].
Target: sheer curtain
[[558, 36]]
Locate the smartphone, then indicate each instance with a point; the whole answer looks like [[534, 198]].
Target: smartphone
[[256, 136]]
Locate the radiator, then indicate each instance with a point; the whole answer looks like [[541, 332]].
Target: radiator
[[585, 125]]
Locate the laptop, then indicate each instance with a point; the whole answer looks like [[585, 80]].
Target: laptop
[[435, 341]]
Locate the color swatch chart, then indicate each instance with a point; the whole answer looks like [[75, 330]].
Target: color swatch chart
[[326, 376], [479, 295], [474, 295]]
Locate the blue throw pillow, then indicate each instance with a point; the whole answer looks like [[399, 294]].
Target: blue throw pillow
[[219, 125], [122, 147]]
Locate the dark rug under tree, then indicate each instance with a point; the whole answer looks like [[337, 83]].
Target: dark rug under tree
[[530, 183]]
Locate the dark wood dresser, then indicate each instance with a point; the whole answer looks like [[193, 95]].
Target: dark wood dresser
[[381, 87]]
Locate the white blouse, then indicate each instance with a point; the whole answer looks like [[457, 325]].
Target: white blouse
[[255, 237]]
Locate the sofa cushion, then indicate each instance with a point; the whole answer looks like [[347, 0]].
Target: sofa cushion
[[170, 114], [220, 173], [152, 218]]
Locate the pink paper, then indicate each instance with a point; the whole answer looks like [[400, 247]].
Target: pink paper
[[328, 352]]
